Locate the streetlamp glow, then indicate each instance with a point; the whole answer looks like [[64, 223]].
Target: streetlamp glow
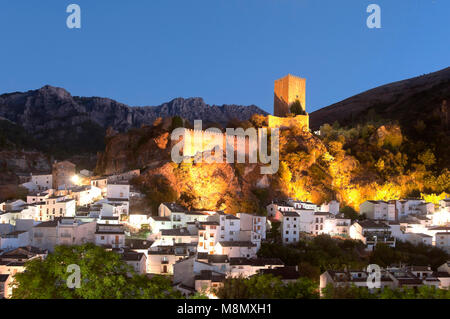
[[75, 179]]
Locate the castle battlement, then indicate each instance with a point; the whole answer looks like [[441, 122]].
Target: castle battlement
[[199, 141], [288, 90]]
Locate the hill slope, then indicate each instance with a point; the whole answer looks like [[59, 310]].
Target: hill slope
[[405, 101]]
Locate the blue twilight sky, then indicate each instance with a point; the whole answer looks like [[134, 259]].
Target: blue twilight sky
[[146, 52]]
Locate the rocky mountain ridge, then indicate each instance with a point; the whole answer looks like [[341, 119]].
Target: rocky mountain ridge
[[51, 107]]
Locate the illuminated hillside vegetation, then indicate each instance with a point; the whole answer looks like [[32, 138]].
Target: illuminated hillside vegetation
[[369, 161]]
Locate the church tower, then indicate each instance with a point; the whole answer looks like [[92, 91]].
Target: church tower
[[288, 90]]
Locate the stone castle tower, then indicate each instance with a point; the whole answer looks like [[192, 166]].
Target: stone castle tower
[[287, 91]]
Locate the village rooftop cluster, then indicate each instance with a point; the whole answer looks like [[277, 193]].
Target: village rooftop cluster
[[198, 249]]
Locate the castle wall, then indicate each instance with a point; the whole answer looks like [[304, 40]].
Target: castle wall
[[201, 141], [286, 122]]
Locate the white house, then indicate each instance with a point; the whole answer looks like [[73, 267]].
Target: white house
[[157, 223], [442, 241], [100, 182], [235, 249], [302, 205], [85, 195], [337, 225], [15, 240], [358, 278], [275, 209], [246, 267], [407, 207], [290, 227], [137, 220], [179, 236], [119, 191], [56, 206], [62, 231], [331, 207], [110, 236], [161, 259], [372, 233], [378, 209], [42, 182], [136, 260], [208, 237], [257, 224], [38, 197]]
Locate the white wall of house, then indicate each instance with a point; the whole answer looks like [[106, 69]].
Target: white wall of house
[[42, 181], [120, 191], [442, 240], [19, 239], [290, 229], [236, 251]]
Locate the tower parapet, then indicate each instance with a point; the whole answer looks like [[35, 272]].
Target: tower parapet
[[288, 90]]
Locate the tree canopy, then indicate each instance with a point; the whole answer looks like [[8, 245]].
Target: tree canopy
[[353, 292], [296, 108], [267, 287], [103, 275]]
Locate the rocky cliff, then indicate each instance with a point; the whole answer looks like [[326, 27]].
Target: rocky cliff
[[65, 122]]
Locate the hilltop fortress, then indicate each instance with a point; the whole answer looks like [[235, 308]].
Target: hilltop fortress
[[287, 91]]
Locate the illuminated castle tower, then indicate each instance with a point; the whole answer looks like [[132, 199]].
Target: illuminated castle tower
[[288, 90]]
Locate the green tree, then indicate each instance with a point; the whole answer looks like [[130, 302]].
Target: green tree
[[103, 275], [267, 287], [176, 123], [296, 108], [427, 158], [158, 191], [350, 212], [353, 292]]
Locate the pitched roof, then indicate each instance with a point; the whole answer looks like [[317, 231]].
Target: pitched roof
[[210, 275], [160, 218], [256, 261], [217, 259], [237, 244], [50, 223], [290, 214], [175, 232], [175, 207], [367, 223], [138, 243], [132, 256], [4, 278]]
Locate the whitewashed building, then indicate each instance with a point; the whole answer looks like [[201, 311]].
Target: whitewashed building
[[379, 210]]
